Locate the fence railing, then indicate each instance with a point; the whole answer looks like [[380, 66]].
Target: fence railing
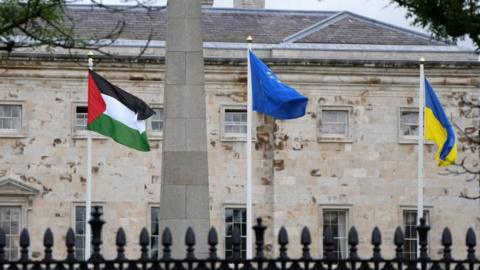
[[329, 261]]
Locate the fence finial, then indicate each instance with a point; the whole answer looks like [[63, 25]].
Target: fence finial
[[144, 242], [96, 223], [447, 243], [190, 242], [24, 243], [306, 240], [48, 244], [422, 230], [471, 241], [213, 242], [121, 241], [259, 229], [376, 242], [70, 243], [399, 241], [353, 242], [166, 243], [283, 242]]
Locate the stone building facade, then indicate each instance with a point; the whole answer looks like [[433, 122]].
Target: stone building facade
[[351, 160]]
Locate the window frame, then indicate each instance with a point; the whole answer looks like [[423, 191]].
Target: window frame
[[405, 139], [22, 223], [224, 234], [81, 134], [13, 133], [155, 135], [345, 138], [339, 208], [403, 209], [232, 137], [73, 221], [158, 236]]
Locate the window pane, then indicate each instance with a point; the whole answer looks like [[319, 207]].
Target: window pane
[[334, 122], [235, 121], [10, 223], [235, 218], [336, 221]]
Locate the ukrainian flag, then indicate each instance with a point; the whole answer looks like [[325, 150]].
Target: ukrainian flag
[[438, 128]]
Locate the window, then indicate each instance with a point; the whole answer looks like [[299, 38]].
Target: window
[[156, 122], [336, 220], [10, 222], [235, 218], [80, 227], [334, 124], [410, 224], [10, 117], [154, 230], [408, 123], [81, 116], [234, 123]]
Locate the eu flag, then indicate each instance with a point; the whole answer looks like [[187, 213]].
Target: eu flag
[[271, 96]]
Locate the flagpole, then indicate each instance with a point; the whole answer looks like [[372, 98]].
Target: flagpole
[[88, 199], [248, 186], [421, 108]]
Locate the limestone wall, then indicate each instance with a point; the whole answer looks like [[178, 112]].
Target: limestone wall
[[295, 175]]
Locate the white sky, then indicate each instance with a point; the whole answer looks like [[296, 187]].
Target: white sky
[[382, 10]]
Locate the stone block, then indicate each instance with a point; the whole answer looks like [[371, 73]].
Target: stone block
[[195, 70], [173, 200], [175, 68], [194, 34], [185, 168], [197, 207], [176, 38], [174, 134], [196, 137]]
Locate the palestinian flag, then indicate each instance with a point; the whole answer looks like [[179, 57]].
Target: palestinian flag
[[117, 114]]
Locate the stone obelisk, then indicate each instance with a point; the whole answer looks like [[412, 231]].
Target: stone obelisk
[[184, 196]]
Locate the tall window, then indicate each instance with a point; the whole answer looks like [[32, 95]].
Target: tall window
[[235, 218], [410, 224], [80, 227], [10, 117], [81, 116], [336, 220], [154, 230], [409, 123], [157, 120], [10, 222]]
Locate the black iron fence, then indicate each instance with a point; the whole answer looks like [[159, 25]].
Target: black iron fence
[[329, 260]]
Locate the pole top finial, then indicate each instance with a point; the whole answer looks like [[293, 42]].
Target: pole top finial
[[249, 39], [421, 60]]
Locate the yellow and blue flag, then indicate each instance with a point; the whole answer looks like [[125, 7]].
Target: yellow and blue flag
[[438, 128], [271, 96]]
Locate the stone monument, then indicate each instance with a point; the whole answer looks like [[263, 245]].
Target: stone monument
[[184, 198]]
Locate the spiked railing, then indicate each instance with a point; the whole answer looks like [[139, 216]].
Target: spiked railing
[[329, 260]]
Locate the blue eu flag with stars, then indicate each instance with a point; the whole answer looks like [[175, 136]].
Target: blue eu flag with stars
[[271, 96]]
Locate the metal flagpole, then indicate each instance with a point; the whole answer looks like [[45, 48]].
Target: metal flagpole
[[88, 199], [249, 152], [421, 105]]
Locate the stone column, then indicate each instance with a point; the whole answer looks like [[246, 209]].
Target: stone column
[[184, 198]]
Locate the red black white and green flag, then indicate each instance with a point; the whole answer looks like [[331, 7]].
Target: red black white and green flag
[[117, 114]]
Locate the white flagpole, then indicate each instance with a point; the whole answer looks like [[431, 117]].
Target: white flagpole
[[248, 186], [421, 105], [88, 199]]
